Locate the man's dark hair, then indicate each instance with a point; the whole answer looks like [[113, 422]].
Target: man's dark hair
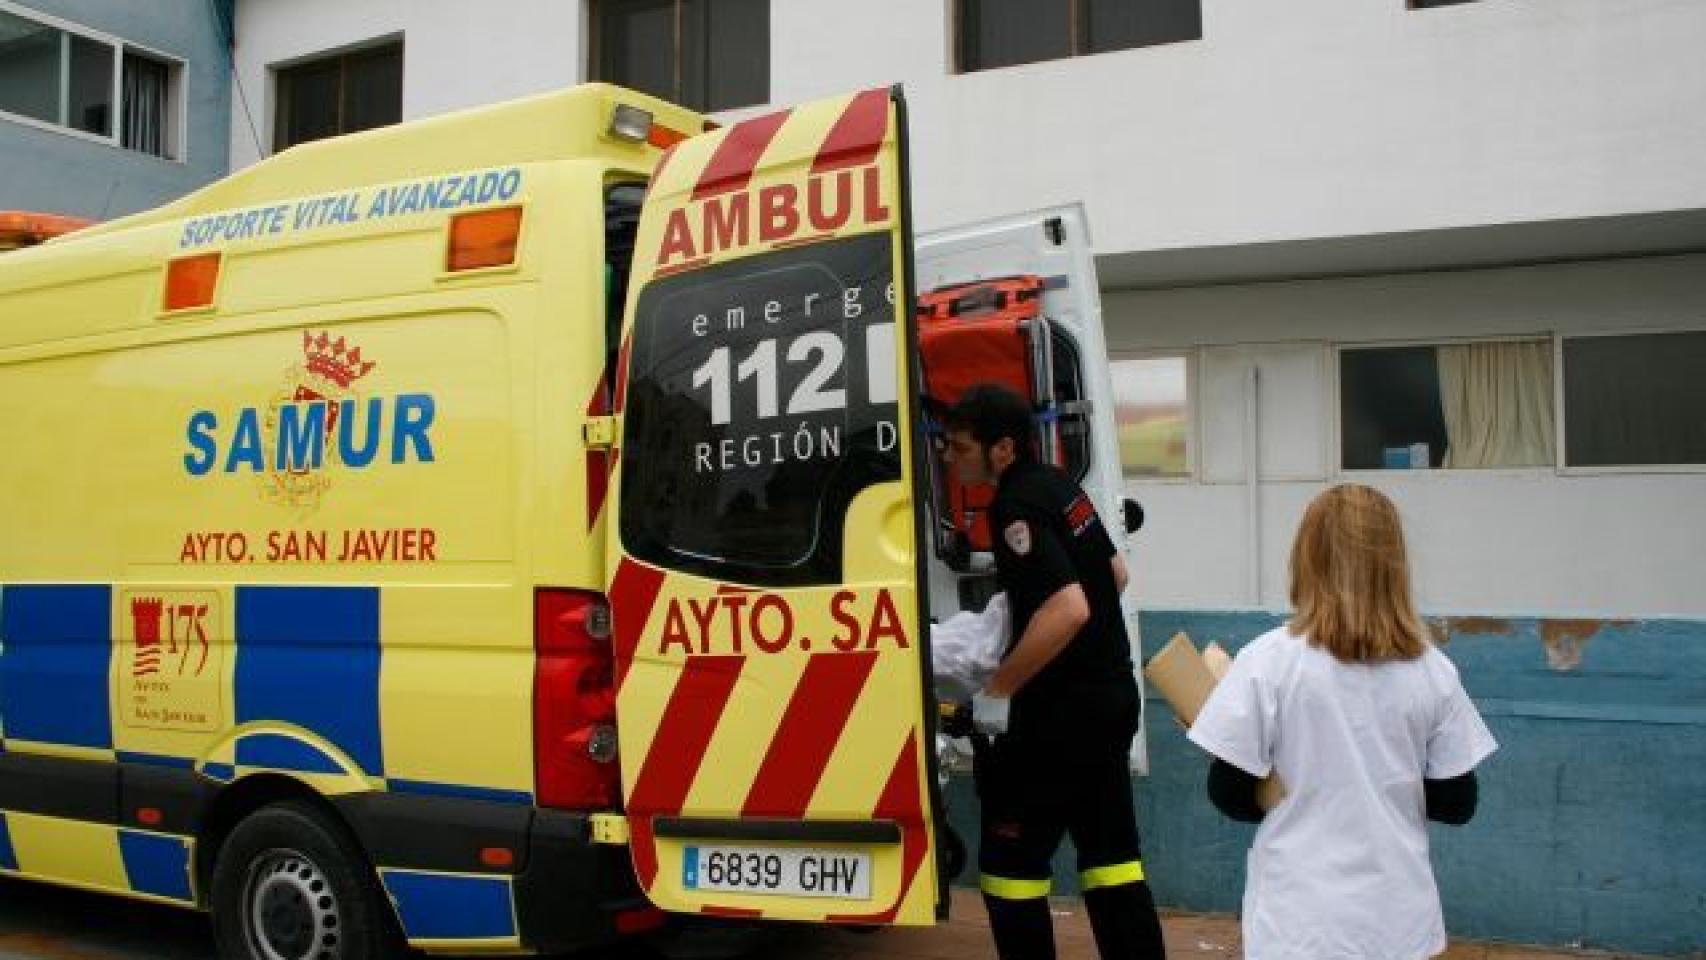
[[989, 412]]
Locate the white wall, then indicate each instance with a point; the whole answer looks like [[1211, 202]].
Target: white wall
[[1308, 118], [455, 54], [1485, 542], [1297, 119]]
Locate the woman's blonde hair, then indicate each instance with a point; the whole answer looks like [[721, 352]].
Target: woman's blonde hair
[[1350, 578]]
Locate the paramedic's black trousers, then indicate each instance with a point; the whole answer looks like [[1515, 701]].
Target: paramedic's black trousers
[[1032, 796]]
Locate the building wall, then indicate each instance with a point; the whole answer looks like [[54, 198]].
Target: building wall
[[1313, 118], [455, 55], [1484, 542], [1308, 118], [52, 171]]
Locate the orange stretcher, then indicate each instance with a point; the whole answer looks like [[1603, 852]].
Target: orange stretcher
[[990, 331]]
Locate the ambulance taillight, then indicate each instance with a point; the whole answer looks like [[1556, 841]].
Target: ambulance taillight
[[574, 701]]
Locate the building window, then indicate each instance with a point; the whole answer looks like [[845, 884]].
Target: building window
[[358, 90], [1152, 415], [1635, 400], [1005, 33], [1451, 406], [702, 54], [59, 76]]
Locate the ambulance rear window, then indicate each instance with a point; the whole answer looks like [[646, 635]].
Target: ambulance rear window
[[761, 399]]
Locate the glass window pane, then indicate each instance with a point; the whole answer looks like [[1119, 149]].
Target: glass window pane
[[736, 58], [1389, 409], [636, 45], [1152, 415], [1002, 33], [1635, 400], [91, 102], [308, 102], [373, 88], [744, 444], [1121, 24], [29, 68]]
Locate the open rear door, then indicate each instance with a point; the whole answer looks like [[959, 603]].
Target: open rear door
[[771, 667], [1048, 250]]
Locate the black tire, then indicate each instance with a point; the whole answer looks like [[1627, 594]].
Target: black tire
[[290, 885]]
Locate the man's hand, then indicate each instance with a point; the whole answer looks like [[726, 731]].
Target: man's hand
[[1051, 628], [989, 714]]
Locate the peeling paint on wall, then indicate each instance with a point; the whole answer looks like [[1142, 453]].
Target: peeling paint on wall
[[1444, 628], [1565, 640]]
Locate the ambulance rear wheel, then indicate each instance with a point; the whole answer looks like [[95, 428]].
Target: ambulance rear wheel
[[289, 885]]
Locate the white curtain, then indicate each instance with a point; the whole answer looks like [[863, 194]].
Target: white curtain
[[1497, 401]]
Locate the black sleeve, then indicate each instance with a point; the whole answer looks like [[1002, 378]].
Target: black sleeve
[[1452, 801], [1233, 792], [1038, 555]]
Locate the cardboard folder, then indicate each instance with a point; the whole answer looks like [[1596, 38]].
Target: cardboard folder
[[1185, 677]]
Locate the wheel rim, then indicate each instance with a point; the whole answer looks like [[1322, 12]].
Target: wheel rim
[[289, 909]]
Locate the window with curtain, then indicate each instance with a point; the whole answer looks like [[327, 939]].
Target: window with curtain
[[72, 80], [145, 98], [1457, 406], [1005, 33], [703, 54], [344, 93], [1635, 400], [1152, 414]]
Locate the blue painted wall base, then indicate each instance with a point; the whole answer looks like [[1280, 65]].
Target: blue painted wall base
[[1592, 825]]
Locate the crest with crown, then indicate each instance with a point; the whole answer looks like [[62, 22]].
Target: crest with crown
[[333, 360]]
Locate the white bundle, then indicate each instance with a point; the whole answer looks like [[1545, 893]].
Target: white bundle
[[966, 648]]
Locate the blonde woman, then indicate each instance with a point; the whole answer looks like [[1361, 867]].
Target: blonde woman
[[1369, 729]]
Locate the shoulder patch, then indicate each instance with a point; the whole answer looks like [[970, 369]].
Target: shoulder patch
[[1018, 535]]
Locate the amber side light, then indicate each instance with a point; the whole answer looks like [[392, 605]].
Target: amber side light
[[484, 238], [190, 281]]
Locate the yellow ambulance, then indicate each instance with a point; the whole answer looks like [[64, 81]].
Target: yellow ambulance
[[494, 532]]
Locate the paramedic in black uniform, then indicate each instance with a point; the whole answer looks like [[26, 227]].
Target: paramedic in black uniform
[[1066, 684]]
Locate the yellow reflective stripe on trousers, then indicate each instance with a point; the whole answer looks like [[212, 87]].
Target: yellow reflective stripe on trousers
[[1112, 875], [1009, 889]]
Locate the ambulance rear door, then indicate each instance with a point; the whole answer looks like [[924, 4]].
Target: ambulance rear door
[[1051, 246], [771, 667]]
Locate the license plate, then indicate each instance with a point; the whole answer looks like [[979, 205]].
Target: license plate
[[788, 871]]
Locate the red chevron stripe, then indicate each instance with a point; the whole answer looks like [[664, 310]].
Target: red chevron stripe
[[901, 803], [633, 592], [857, 135], [622, 373], [597, 461], [810, 729], [672, 762], [735, 158], [657, 171]]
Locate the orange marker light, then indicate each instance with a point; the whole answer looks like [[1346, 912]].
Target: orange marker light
[[663, 137], [190, 281], [149, 816], [497, 857], [484, 238]]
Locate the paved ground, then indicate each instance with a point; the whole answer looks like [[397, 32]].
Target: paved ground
[[43, 923]]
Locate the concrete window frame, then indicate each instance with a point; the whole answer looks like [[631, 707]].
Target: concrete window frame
[[174, 109]]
